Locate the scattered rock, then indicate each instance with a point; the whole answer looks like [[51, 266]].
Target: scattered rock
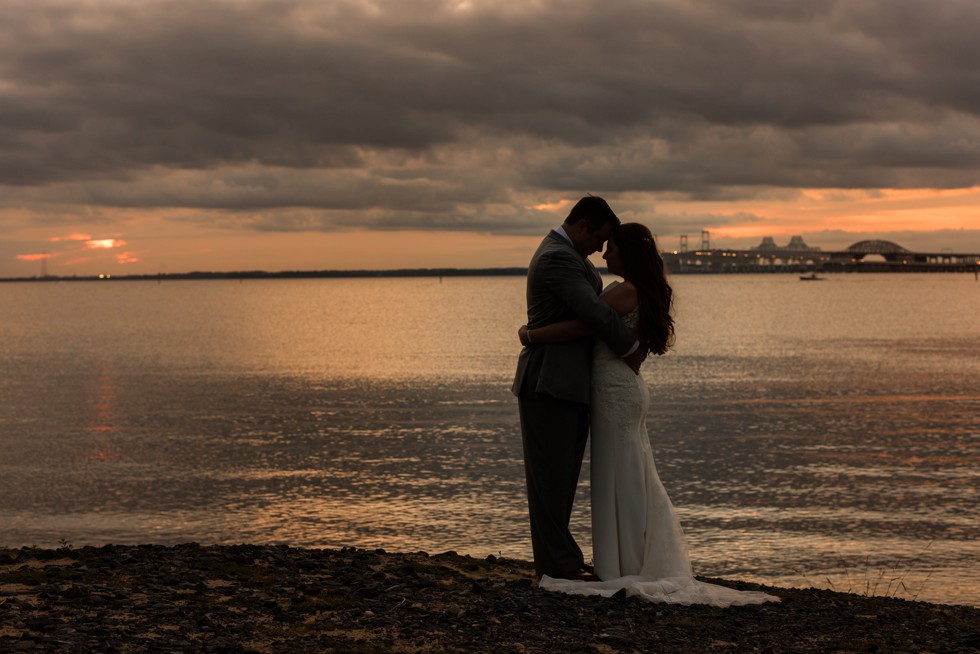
[[247, 598]]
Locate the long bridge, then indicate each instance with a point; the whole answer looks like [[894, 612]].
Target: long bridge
[[797, 256]]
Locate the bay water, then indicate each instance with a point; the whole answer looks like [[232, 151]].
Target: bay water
[[810, 433]]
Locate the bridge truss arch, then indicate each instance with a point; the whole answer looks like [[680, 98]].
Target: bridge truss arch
[[890, 251]]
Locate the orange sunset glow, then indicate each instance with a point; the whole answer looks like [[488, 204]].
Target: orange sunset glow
[[837, 123], [104, 244], [33, 257]]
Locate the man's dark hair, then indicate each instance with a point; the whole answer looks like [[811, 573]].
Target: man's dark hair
[[595, 211]]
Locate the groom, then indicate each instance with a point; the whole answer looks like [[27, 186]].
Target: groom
[[552, 381]]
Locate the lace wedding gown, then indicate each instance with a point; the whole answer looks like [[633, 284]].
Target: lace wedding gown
[[638, 544]]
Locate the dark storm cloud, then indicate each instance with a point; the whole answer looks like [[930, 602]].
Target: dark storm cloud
[[421, 110]]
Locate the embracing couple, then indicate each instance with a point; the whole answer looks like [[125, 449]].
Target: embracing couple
[[579, 371]]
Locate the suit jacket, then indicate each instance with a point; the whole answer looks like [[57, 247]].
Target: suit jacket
[[564, 285]]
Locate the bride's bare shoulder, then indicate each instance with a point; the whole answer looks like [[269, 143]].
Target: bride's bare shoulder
[[621, 297]]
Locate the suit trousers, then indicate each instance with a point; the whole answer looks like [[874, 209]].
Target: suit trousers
[[555, 433]]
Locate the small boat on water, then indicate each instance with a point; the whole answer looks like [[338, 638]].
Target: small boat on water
[[812, 277]]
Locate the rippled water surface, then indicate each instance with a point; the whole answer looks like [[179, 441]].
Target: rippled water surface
[[820, 434]]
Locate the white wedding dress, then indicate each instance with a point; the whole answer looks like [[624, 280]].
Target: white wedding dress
[[637, 541]]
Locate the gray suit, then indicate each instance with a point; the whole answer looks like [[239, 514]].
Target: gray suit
[[552, 385]]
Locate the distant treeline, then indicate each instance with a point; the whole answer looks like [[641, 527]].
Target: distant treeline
[[289, 274]]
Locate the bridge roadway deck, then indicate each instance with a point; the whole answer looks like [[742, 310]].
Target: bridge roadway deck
[[755, 261]]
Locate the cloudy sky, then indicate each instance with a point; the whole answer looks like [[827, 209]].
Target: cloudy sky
[[176, 135]]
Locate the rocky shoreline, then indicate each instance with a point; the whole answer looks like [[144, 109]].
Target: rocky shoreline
[[249, 598]]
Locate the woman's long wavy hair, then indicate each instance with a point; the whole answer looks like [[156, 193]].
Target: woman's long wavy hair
[[644, 268]]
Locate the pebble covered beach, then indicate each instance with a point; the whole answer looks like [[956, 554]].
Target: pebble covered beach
[[250, 598]]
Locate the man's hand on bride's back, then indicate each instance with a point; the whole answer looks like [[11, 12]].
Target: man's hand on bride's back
[[636, 359], [522, 335]]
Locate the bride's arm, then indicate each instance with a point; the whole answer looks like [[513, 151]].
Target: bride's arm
[[622, 298]]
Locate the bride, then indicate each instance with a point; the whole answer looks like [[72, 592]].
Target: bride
[[638, 544]]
